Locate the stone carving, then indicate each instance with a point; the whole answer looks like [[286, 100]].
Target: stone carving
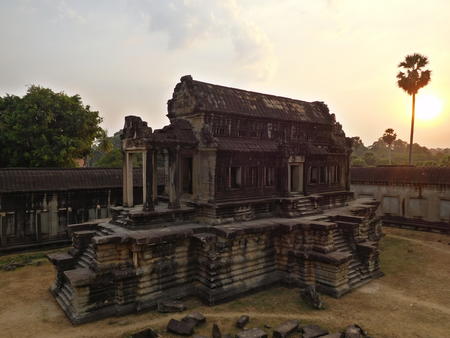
[[312, 297]]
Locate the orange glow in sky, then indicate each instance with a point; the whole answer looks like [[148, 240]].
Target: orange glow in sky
[[428, 106]]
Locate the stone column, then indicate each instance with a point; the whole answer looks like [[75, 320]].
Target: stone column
[[174, 181], [148, 181], [144, 178], [2, 230], [127, 180], [155, 177]]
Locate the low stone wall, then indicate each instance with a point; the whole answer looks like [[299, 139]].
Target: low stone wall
[[417, 198], [112, 270]]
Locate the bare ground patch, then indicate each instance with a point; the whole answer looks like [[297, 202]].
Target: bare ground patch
[[410, 301]]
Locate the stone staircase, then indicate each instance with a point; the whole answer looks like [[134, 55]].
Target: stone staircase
[[89, 255], [357, 273], [122, 218], [306, 207]]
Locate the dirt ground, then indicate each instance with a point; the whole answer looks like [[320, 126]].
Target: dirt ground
[[412, 300]]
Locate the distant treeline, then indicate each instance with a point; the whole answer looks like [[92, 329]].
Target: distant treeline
[[378, 154]]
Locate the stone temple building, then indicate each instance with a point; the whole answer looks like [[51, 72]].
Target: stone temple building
[[256, 193]]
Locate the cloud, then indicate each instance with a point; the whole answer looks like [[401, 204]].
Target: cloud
[[187, 23]]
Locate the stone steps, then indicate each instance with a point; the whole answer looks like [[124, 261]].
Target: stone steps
[[306, 207], [356, 273], [86, 259]]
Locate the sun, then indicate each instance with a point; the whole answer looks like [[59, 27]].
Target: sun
[[428, 106]]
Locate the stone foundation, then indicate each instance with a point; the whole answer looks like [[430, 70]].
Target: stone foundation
[[114, 270]]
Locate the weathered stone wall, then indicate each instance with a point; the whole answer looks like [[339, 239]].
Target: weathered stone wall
[[421, 201], [36, 207], [112, 270]]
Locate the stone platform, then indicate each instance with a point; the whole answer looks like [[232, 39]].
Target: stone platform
[[114, 270]]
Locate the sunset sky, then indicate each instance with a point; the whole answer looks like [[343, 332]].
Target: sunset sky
[[125, 57]]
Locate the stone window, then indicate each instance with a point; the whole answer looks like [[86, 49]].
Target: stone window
[[269, 130], [269, 176], [187, 175], [252, 177], [323, 174], [314, 176], [444, 210], [235, 177]]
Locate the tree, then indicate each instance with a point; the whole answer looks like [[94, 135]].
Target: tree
[[389, 137], [411, 79], [46, 129], [369, 158]]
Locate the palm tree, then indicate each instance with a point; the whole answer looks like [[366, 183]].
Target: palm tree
[[411, 80], [389, 137]]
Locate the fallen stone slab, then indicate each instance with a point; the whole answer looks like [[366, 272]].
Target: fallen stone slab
[[184, 328], [216, 331], [252, 333], [166, 306], [311, 297], [285, 329], [313, 331], [242, 321], [332, 335], [148, 333], [197, 317], [354, 331]]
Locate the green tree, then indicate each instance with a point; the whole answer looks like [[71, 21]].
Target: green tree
[[411, 79], [369, 158], [389, 137], [46, 129], [111, 159]]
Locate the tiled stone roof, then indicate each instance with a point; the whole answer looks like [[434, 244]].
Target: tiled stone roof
[[243, 144], [56, 179], [191, 96], [401, 175]]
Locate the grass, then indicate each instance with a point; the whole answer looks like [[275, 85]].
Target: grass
[[29, 258]]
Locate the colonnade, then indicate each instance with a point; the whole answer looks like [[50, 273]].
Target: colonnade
[[150, 177]]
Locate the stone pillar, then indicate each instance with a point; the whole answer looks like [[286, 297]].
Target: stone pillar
[[127, 179], [166, 172], [2, 230], [174, 180], [147, 169], [144, 178], [155, 177]]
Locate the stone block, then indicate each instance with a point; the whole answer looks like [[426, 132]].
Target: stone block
[[242, 321], [216, 333], [286, 328], [252, 333], [148, 333], [354, 331], [184, 328], [197, 317], [311, 297], [313, 331]]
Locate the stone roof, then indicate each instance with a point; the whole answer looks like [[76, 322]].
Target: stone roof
[[192, 96], [243, 144], [401, 175], [56, 179]]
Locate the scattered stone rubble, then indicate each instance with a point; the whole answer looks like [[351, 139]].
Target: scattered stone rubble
[[290, 328]]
